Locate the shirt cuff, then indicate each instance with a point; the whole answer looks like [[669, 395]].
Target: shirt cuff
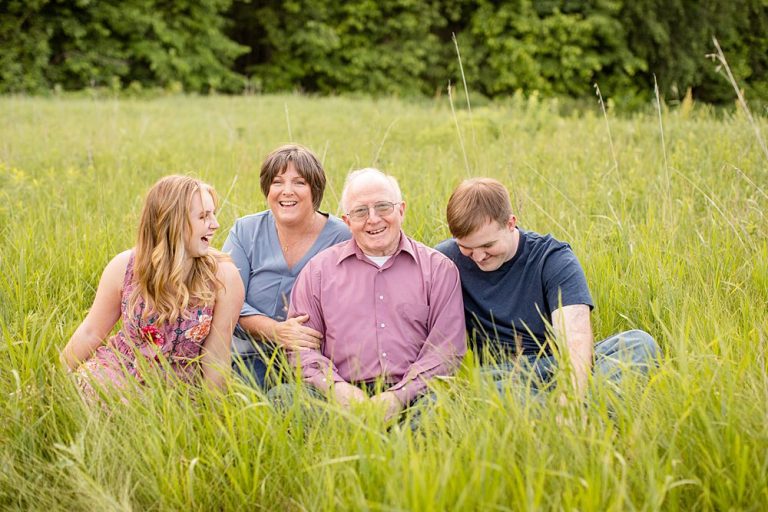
[[408, 390], [322, 380]]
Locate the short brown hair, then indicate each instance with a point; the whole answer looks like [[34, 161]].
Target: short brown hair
[[474, 203], [306, 164]]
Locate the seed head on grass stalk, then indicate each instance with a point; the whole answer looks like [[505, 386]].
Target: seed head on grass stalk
[[719, 56], [466, 92], [607, 127], [458, 131], [667, 185]]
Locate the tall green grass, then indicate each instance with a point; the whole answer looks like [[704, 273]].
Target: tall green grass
[[679, 249]]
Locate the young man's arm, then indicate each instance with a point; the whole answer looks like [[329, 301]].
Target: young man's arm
[[572, 326], [566, 286]]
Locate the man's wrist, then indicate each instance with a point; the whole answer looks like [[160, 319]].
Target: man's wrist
[[401, 395]]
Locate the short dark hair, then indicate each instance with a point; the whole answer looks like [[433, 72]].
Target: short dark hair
[[306, 164], [475, 202]]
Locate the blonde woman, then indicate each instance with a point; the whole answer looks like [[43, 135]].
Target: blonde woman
[[178, 298]]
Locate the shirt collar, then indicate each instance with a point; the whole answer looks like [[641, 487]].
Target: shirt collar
[[352, 249]]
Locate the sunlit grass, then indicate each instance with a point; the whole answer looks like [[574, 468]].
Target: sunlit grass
[[681, 253]]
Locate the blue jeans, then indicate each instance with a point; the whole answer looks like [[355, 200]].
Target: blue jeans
[[256, 363], [633, 350], [251, 368], [285, 396]]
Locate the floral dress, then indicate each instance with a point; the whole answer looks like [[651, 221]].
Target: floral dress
[[175, 346]]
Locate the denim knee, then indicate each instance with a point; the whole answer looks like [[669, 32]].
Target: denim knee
[[641, 345], [251, 368], [634, 350], [635, 346], [282, 396]]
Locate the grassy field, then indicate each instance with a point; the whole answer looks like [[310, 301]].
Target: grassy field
[[672, 234]]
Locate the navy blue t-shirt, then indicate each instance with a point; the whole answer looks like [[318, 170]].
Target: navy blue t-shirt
[[510, 308]]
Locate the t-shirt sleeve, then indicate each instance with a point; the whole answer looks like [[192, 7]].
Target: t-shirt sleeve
[[564, 281], [447, 247]]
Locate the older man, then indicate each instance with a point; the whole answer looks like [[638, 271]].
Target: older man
[[523, 290], [389, 308]]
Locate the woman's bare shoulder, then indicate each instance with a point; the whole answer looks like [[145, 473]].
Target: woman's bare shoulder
[[226, 270], [115, 269]]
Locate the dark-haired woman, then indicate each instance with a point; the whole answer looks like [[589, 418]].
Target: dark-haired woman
[[269, 249]]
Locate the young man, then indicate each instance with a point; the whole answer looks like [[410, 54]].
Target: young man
[[523, 291]]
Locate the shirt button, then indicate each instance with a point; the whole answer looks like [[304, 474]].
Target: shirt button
[[383, 325], [383, 354], [381, 297]]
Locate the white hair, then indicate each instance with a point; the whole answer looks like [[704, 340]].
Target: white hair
[[372, 174]]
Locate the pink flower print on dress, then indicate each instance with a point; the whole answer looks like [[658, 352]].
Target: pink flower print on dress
[[152, 342], [199, 332], [151, 334]]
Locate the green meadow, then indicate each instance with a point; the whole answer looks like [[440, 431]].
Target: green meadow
[[665, 209]]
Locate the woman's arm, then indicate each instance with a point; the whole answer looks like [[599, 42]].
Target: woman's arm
[[102, 317], [291, 334], [247, 246], [217, 362]]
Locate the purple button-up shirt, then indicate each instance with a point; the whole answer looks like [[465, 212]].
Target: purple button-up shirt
[[403, 322]]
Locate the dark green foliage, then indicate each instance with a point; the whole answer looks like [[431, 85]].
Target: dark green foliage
[[24, 48], [755, 45], [401, 47], [386, 46], [556, 47], [553, 47], [77, 43], [672, 38]]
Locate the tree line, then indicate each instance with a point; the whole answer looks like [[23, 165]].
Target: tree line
[[400, 47]]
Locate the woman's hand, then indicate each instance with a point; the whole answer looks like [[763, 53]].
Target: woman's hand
[[292, 334]]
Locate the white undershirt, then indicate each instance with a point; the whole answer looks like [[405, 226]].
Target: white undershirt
[[378, 260]]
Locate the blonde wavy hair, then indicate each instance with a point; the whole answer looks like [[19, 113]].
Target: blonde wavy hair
[[160, 253]]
